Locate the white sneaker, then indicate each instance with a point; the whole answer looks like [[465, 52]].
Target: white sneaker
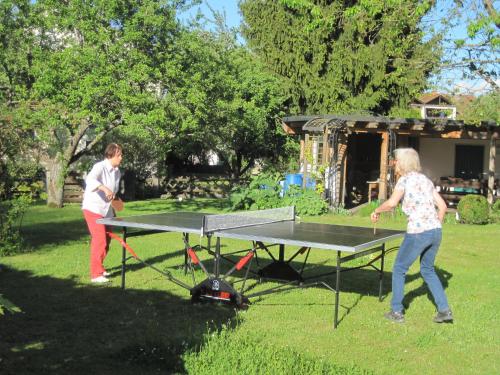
[[100, 280], [106, 274]]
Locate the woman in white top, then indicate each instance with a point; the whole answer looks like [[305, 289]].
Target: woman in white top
[[101, 186], [425, 210]]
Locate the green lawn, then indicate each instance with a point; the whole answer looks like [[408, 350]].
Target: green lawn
[[68, 326]]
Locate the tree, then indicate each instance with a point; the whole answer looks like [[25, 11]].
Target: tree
[[75, 70], [342, 56], [471, 39], [224, 101], [483, 108]]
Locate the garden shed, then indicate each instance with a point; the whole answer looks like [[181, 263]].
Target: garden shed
[[352, 154]]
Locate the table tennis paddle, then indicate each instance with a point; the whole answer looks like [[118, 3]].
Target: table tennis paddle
[[117, 204]]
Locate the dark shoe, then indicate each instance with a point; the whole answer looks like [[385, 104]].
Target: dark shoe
[[444, 317], [395, 316]]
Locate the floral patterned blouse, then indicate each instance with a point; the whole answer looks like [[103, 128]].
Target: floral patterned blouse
[[418, 202]]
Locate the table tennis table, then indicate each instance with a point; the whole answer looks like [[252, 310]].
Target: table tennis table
[[264, 229]]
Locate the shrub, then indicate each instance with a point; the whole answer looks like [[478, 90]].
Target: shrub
[[306, 202], [264, 190], [495, 211], [473, 209], [11, 215]]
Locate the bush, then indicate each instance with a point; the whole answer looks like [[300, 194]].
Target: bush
[[306, 202], [495, 211], [11, 216], [473, 209], [264, 190]]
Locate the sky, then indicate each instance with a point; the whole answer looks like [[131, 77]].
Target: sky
[[229, 7], [449, 81]]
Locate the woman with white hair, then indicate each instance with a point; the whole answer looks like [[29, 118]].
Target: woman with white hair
[[425, 210]]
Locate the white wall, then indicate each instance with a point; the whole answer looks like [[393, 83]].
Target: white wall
[[437, 156]]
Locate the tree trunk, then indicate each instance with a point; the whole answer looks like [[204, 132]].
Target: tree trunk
[[54, 170]]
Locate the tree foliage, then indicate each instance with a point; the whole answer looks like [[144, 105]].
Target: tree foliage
[[470, 31], [75, 70], [483, 108], [337, 56], [224, 101]]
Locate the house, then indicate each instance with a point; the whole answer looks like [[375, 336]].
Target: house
[[434, 105], [353, 153]]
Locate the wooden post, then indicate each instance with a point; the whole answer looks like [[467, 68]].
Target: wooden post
[[344, 177], [384, 153], [307, 154], [324, 158], [341, 170], [302, 162], [491, 167]]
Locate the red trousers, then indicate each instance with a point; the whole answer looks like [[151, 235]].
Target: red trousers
[[99, 243]]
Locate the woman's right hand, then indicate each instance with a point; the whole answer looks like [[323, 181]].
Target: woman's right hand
[[374, 217], [109, 194]]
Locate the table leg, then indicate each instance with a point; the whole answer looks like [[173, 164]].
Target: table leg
[[381, 274], [337, 292], [124, 256], [186, 241], [282, 253]]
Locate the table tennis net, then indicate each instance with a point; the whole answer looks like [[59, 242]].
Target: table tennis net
[[212, 223]]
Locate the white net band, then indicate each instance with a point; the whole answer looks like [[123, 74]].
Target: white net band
[[213, 223]]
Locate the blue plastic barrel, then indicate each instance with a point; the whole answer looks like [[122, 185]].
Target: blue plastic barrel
[[310, 183], [293, 179]]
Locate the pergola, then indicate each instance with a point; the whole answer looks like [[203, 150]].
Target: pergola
[[323, 140]]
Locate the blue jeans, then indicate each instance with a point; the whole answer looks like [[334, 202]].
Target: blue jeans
[[425, 245]]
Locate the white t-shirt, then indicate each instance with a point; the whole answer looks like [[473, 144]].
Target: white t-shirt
[[418, 202], [102, 173]]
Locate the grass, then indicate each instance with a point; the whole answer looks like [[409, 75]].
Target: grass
[[69, 326]]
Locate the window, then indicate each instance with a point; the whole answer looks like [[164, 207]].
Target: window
[[469, 161]]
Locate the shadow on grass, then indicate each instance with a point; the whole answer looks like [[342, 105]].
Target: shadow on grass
[[69, 328], [37, 235], [423, 290], [59, 226], [134, 265], [363, 282]]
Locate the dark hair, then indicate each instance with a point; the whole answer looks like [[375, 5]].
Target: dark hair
[[111, 150]]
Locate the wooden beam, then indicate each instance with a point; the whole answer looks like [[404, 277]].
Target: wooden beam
[[288, 129], [457, 134], [384, 154]]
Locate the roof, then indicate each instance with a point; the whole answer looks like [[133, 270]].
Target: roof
[[316, 124], [434, 98]]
